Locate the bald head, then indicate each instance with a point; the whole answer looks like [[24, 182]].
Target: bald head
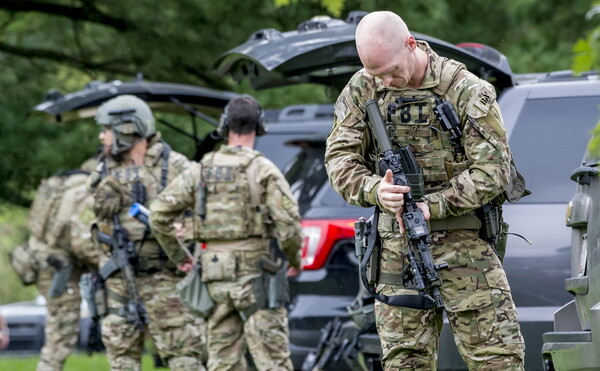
[[380, 30]]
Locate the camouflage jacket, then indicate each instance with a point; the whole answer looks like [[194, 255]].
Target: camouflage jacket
[[151, 175], [462, 184], [281, 207]]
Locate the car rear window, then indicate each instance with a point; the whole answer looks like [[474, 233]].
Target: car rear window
[[548, 143]]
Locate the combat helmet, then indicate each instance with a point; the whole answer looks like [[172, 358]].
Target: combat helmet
[[126, 115]]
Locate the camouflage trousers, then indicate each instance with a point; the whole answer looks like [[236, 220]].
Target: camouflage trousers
[[477, 302], [177, 333], [62, 322], [265, 332]]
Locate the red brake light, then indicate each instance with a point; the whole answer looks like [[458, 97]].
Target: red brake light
[[319, 238]]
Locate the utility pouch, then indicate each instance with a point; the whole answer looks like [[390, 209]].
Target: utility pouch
[[194, 293], [59, 280], [278, 294], [24, 263], [218, 266]]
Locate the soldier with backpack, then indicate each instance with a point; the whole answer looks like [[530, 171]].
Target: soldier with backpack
[[54, 262]]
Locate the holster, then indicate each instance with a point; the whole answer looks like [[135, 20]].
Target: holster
[[59, 280]]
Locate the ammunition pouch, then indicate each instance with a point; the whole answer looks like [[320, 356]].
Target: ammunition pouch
[[60, 279], [229, 265], [218, 266]]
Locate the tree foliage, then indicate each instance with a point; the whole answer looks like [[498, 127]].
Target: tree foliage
[[63, 44]]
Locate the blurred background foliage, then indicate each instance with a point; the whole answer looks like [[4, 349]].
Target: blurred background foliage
[[64, 44]]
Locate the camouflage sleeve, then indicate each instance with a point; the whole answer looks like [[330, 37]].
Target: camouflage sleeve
[[487, 151], [178, 163], [282, 208], [178, 196], [83, 246], [351, 171]]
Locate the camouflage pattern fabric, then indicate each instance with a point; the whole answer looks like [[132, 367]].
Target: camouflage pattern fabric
[[474, 287], [281, 207], [178, 334], [62, 320], [265, 331]]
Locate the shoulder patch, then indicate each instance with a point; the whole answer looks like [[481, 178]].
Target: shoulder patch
[[481, 102], [341, 109]]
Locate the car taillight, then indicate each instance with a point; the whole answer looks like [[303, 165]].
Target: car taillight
[[319, 238]]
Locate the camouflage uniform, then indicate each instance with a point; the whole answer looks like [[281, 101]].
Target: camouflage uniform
[[475, 290], [62, 319], [231, 263], [176, 332]]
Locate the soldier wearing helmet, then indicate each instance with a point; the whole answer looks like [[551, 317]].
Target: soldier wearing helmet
[[137, 168], [241, 202]]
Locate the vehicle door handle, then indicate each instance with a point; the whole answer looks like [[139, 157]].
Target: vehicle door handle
[[582, 171]]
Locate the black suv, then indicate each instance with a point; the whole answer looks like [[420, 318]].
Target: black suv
[[547, 117]]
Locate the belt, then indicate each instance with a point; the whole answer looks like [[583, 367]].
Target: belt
[[468, 221]]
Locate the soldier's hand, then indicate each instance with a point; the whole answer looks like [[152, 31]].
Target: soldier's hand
[[108, 198], [186, 266], [424, 209], [293, 271], [391, 196]]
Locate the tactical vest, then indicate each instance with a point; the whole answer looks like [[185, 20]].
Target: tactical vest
[[415, 123], [142, 186], [233, 209]]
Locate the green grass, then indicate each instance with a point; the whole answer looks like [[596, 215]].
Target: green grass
[[13, 231], [76, 362]]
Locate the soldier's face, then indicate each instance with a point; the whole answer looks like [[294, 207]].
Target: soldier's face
[[395, 67], [106, 138]]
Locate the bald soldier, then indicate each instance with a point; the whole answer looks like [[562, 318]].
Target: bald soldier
[[461, 175]]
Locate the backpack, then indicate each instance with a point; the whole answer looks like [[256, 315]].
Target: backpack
[[42, 214]]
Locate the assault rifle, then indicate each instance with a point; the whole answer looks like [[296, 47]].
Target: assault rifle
[[421, 271], [123, 253]]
